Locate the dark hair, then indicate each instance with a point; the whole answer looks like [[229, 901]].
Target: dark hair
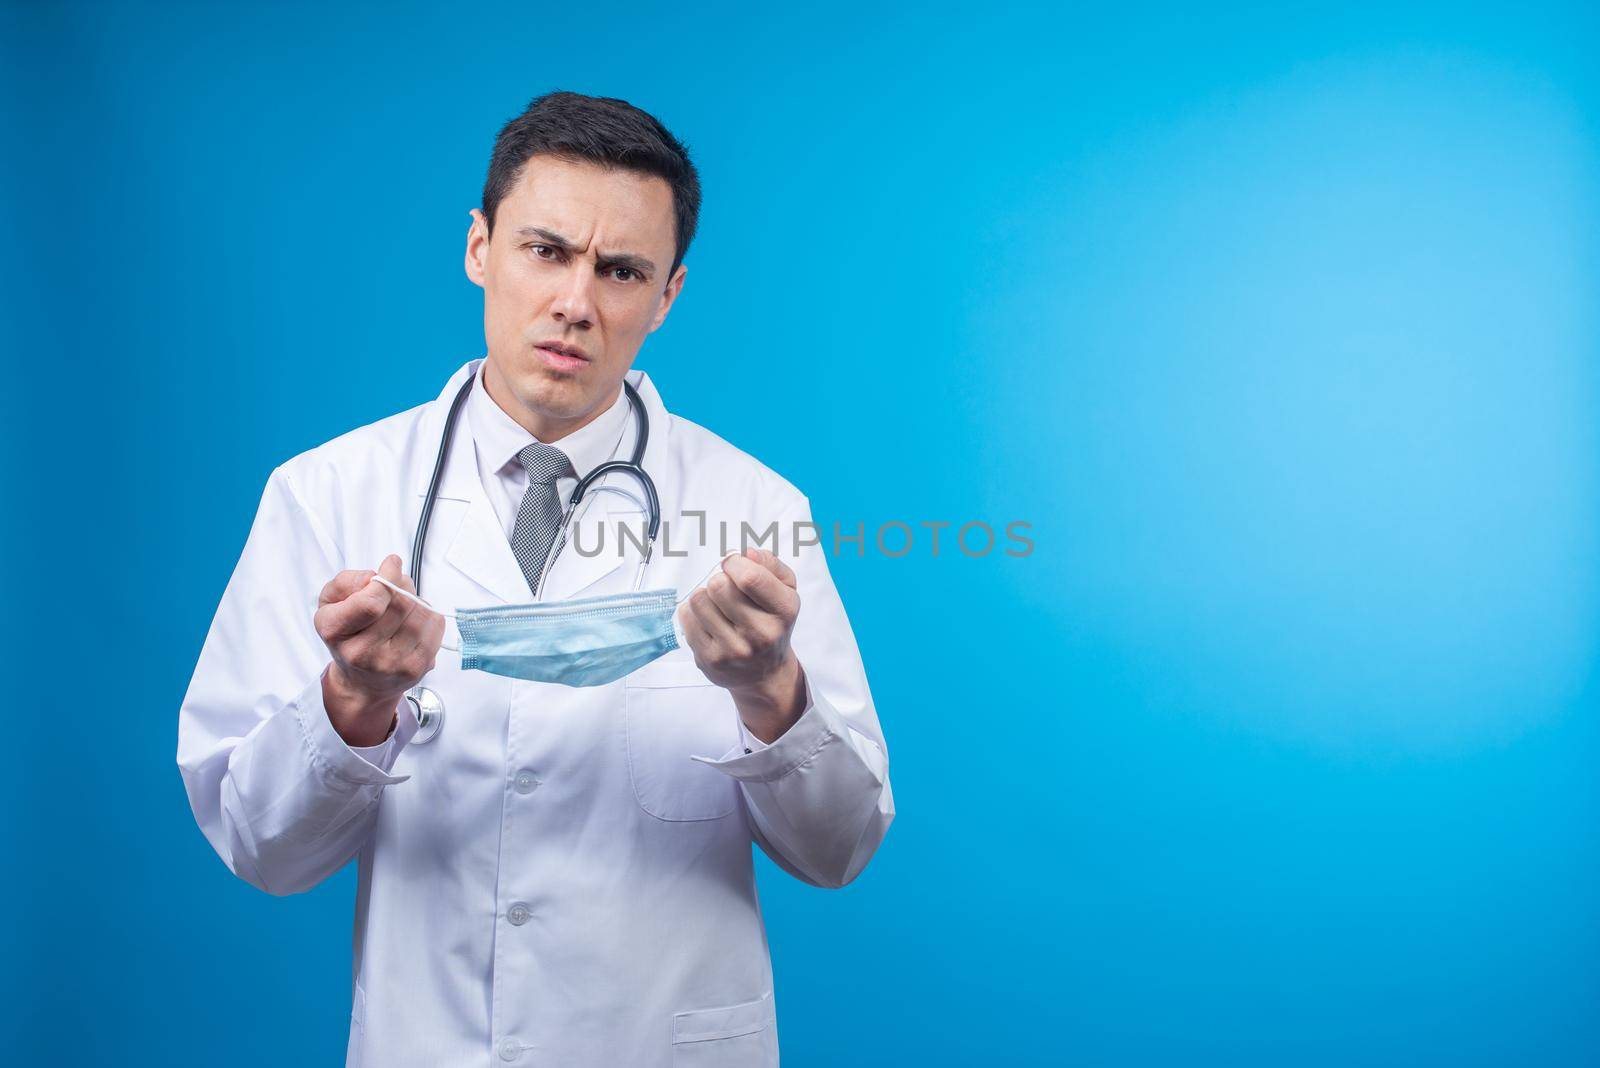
[[595, 129]]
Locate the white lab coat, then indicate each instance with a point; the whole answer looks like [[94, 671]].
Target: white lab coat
[[554, 879]]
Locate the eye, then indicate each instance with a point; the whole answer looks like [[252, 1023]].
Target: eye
[[629, 271], [540, 250]]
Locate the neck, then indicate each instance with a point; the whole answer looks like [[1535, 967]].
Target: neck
[[546, 427]]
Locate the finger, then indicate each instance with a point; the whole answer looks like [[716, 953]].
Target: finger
[[398, 609], [433, 633], [429, 633], [759, 584], [357, 612], [747, 615], [719, 629], [390, 625], [774, 563], [390, 569], [761, 628], [342, 585], [694, 634], [349, 582]]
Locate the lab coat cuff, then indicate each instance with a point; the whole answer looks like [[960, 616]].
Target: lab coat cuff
[[816, 725], [380, 756], [367, 766]]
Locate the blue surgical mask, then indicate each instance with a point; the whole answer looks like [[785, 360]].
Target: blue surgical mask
[[589, 641]]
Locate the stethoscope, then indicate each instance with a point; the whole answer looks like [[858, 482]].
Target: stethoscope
[[425, 702]]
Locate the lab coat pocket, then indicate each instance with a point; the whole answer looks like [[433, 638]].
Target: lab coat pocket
[[733, 1036], [671, 713]]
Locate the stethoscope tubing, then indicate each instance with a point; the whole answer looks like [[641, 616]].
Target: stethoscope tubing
[[634, 467]]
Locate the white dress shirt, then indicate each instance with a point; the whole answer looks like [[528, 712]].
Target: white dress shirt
[[498, 439]]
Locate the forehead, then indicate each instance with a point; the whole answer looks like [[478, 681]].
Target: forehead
[[630, 212]]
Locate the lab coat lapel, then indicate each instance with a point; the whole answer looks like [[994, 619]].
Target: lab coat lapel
[[481, 552]]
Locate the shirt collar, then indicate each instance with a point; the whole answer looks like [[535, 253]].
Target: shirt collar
[[500, 437]]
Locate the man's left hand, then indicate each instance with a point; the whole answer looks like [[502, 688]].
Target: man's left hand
[[738, 626]]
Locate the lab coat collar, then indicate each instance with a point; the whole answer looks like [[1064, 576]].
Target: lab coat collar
[[464, 520]]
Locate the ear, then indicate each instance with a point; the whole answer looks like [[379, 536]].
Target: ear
[[674, 287], [477, 246]]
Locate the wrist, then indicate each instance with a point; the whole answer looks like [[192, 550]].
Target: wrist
[[360, 718], [769, 707]]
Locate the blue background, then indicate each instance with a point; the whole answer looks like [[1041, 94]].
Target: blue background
[[1279, 325]]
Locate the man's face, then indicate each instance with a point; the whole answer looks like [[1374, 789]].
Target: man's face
[[578, 259]]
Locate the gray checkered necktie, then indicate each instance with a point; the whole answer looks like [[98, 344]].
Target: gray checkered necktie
[[539, 517]]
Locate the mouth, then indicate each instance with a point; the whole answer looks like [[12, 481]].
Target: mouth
[[561, 357]]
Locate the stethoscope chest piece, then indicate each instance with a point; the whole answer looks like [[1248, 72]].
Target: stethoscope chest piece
[[429, 710]]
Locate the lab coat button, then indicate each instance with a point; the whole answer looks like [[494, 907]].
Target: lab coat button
[[518, 914], [525, 782], [510, 1049]]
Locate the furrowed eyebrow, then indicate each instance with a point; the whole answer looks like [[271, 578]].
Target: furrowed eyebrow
[[632, 261]]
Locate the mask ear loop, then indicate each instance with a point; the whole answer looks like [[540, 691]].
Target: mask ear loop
[[443, 644]]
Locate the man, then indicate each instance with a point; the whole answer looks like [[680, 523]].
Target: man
[[549, 874]]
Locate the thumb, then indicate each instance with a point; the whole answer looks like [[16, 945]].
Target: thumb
[[395, 575]]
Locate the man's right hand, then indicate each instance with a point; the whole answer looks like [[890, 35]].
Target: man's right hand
[[382, 644]]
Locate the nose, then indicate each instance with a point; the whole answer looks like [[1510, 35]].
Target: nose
[[574, 303]]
